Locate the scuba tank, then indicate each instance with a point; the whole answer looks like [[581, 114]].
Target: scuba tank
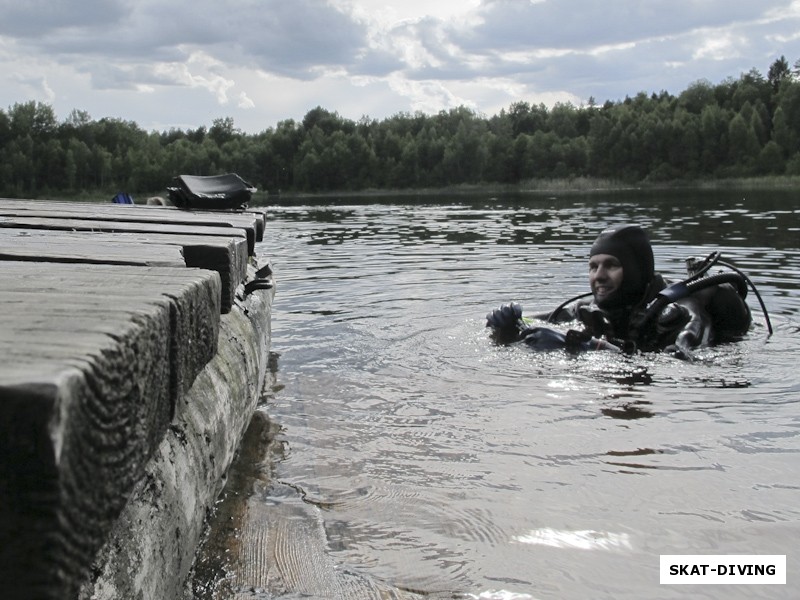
[[729, 316]]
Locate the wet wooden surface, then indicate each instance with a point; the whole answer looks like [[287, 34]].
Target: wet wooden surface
[[227, 255], [109, 312]]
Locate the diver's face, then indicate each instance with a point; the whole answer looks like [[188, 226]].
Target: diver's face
[[605, 276]]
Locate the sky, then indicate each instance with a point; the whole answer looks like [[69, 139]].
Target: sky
[[182, 64]]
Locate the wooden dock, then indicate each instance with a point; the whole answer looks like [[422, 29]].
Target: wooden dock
[[133, 349]]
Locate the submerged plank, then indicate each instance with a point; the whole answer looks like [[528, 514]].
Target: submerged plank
[[276, 548]]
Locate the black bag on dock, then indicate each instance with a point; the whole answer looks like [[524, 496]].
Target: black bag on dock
[[212, 192]]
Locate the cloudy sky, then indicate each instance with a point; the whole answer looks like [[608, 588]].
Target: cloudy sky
[[184, 63]]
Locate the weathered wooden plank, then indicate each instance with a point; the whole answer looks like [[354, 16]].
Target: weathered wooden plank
[[62, 296], [94, 360], [69, 224], [251, 223], [227, 256], [73, 246], [151, 548]]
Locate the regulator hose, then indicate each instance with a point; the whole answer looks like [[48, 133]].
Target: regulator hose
[[755, 292], [552, 316]]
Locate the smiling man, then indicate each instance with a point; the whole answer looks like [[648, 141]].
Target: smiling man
[[622, 279], [632, 307], [621, 267], [605, 276]]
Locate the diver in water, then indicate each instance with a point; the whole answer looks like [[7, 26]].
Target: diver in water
[[633, 307]]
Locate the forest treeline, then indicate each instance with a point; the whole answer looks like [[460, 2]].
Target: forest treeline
[[741, 127]]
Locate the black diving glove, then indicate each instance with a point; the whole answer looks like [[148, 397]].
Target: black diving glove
[[504, 322], [695, 329]]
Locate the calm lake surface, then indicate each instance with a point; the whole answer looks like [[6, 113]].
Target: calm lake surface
[[439, 464]]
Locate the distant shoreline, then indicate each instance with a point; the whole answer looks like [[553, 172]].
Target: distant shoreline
[[573, 186], [568, 186]]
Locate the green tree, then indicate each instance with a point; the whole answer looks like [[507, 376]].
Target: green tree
[[223, 131], [786, 120], [686, 147], [500, 146], [778, 73], [697, 96], [526, 119], [327, 121], [32, 118], [743, 142], [600, 142], [5, 129], [563, 120], [751, 88], [285, 142], [770, 160], [465, 154], [714, 123], [783, 135]]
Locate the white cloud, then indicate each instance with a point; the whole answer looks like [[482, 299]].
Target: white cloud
[[383, 14], [720, 47], [181, 74], [245, 102], [426, 96], [784, 39]]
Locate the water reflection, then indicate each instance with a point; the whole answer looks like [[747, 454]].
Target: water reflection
[[584, 540], [638, 409]]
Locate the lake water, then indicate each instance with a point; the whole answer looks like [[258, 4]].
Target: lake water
[[412, 457]]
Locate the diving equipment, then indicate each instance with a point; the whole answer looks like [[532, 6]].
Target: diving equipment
[[544, 338], [720, 308], [701, 309]]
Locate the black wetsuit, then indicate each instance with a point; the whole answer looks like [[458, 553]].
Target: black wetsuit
[[716, 314]]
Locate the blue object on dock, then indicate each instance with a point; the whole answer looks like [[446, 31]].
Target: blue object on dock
[[122, 198]]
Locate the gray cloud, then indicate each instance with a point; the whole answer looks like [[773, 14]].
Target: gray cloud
[[276, 35], [578, 24], [289, 38], [39, 18], [298, 36], [608, 49]]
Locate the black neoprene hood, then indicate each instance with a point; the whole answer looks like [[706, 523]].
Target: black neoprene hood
[[631, 246]]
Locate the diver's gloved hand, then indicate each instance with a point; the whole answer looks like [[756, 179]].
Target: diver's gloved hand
[[696, 330], [504, 322]]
